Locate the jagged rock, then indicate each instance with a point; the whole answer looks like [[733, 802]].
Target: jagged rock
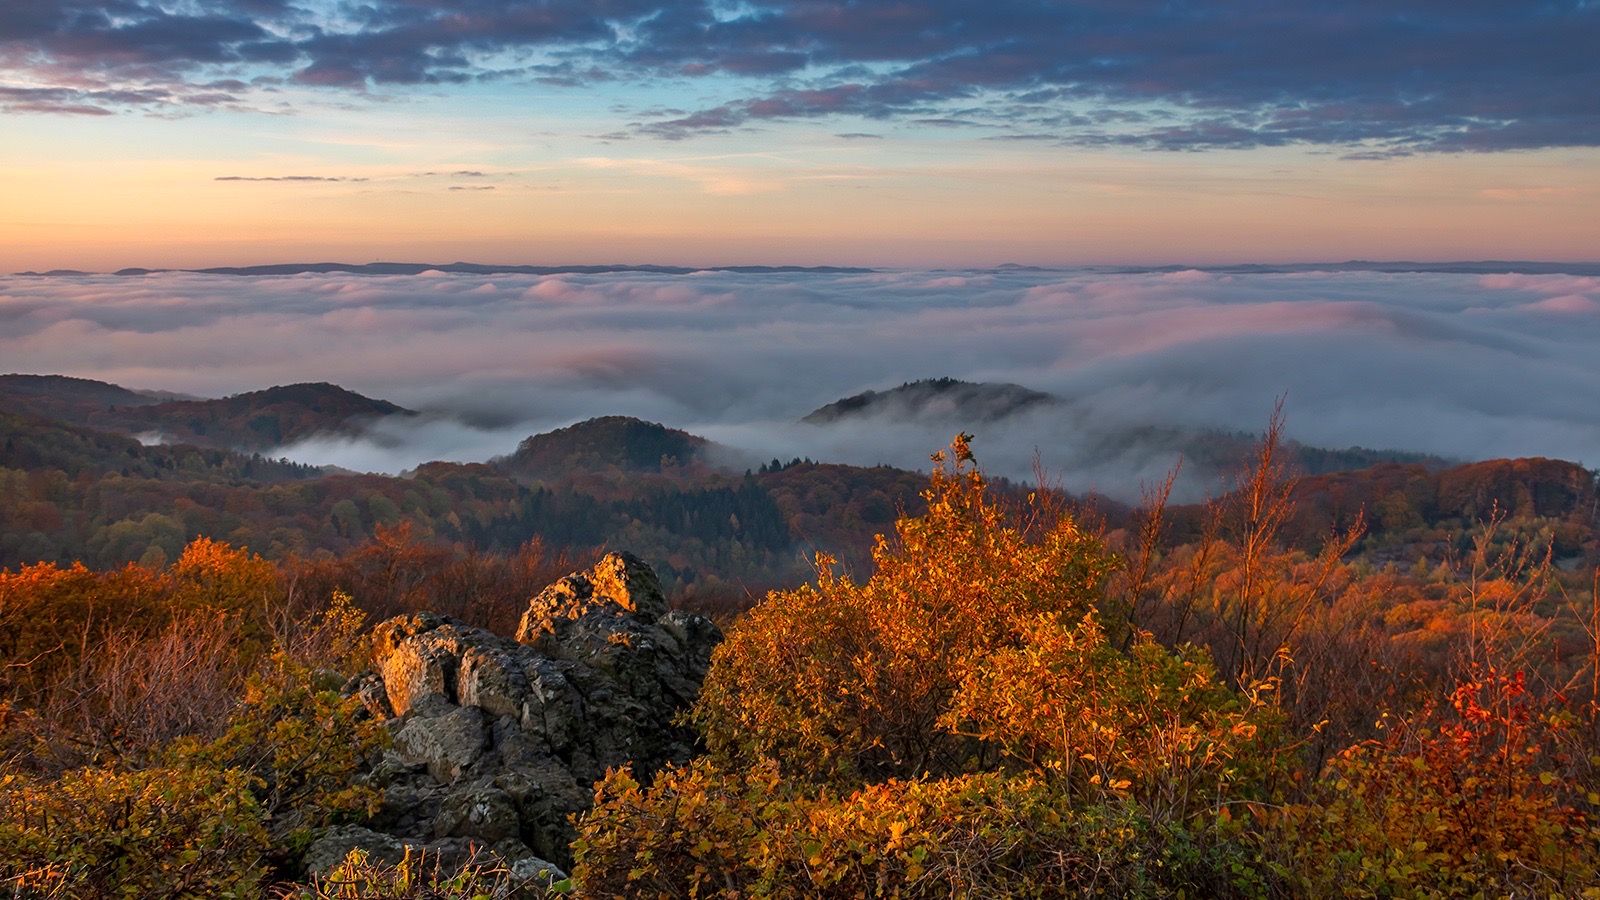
[[421, 655], [334, 844], [374, 697], [621, 584], [498, 742], [491, 679], [544, 793], [447, 742], [477, 811], [536, 873]]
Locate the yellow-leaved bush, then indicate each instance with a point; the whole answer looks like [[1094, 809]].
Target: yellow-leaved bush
[[848, 682], [169, 831], [209, 816], [956, 726], [1150, 725], [702, 831], [1477, 798]]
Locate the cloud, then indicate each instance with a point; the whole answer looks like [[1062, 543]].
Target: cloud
[[290, 178], [1464, 366], [1378, 79], [1400, 77]]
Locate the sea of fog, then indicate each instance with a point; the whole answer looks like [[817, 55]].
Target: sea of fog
[[1467, 366]]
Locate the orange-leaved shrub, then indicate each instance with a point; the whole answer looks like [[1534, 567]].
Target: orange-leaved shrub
[[1476, 798], [174, 830], [700, 831], [1150, 725], [957, 726], [848, 682], [204, 815]]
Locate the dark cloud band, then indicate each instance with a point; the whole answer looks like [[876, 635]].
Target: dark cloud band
[[1377, 78]]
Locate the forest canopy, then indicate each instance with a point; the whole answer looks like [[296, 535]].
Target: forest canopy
[[1011, 695]]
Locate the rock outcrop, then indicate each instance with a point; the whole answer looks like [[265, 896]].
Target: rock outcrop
[[497, 741]]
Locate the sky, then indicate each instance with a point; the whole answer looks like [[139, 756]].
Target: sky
[[911, 133], [1467, 366]]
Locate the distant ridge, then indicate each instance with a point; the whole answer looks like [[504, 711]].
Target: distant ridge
[[1465, 267], [1479, 267], [69, 399], [464, 268], [252, 421]]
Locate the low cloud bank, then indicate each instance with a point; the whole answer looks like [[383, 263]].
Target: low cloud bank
[[1459, 365]]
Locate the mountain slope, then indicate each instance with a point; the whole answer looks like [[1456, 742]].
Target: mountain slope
[[256, 420], [252, 421], [621, 443], [65, 398], [936, 398]]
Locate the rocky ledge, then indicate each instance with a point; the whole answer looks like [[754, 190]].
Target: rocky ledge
[[497, 742]]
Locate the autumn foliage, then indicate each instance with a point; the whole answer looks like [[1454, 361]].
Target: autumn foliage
[[159, 739], [957, 725], [1014, 699], [848, 682], [1008, 708], [1479, 796]]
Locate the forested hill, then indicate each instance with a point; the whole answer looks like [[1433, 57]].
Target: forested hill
[[609, 442], [253, 421], [75, 494], [70, 492], [259, 420], [66, 398], [944, 398], [43, 448]]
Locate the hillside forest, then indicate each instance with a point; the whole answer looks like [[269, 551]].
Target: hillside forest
[[1378, 682]]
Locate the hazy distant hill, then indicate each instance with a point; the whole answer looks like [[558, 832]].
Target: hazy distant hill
[[68, 399], [936, 398], [609, 442], [35, 444], [253, 421], [76, 492], [257, 420], [1208, 454], [1211, 450]]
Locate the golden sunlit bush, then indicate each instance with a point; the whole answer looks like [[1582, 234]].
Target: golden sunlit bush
[[202, 815], [49, 615], [848, 682], [1150, 726], [176, 830], [957, 726], [704, 832]]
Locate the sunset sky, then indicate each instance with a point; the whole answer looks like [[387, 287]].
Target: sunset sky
[[945, 132]]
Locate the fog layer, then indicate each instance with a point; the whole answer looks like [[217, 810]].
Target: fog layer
[[1465, 366]]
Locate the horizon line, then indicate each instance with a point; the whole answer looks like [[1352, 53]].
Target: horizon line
[[390, 267]]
